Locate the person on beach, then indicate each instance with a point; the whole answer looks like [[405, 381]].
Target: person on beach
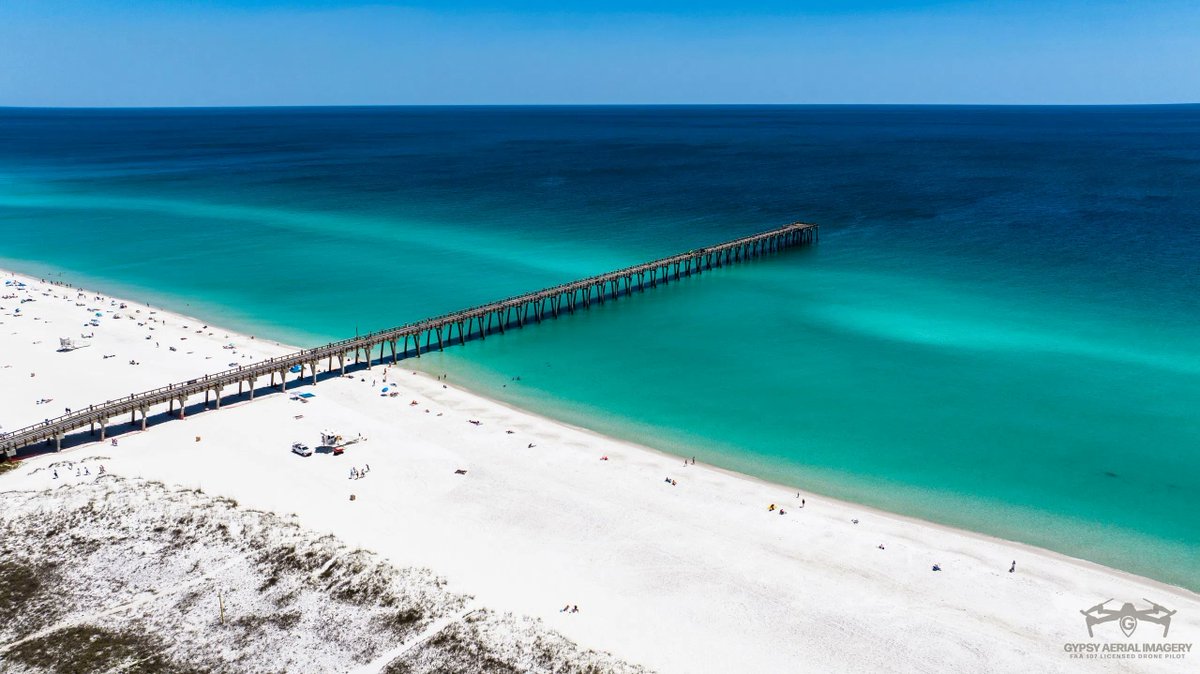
[[1013, 568], [56, 474]]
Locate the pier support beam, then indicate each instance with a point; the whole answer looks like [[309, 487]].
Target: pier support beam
[[600, 288]]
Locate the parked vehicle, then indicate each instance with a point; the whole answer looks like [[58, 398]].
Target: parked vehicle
[[301, 449]]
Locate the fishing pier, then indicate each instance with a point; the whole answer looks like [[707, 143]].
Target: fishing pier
[[412, 339]]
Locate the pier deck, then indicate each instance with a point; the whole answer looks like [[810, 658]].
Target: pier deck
[[438, 332]]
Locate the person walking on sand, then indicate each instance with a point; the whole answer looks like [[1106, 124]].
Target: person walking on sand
[[55, 473], [1013, 568]]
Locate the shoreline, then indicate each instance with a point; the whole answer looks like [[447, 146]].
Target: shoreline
[[908, 519], [733, 491], [666, 454]]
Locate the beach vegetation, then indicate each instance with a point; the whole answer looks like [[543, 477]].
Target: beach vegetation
[[86, 648]]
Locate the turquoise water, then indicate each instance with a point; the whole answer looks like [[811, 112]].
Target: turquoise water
[[1000, 329]]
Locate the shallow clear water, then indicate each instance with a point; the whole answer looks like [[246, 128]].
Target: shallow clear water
[[999, 330]]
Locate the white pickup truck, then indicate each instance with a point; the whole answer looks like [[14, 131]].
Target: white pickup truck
[[301, 449]]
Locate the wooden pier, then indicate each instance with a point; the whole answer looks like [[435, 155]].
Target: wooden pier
[[414, 338]]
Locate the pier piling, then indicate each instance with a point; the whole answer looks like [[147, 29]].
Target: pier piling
[[544, 303]]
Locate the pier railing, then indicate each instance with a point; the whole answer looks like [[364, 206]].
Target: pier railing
[[473, 323]]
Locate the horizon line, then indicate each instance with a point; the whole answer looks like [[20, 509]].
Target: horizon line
[[590, 105]]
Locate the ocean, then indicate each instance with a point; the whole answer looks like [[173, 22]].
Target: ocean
[[999, 329]]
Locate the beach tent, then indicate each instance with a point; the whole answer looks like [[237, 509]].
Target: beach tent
[[295, 368]]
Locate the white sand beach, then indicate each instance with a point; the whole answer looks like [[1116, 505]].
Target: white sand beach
[[679, 569]]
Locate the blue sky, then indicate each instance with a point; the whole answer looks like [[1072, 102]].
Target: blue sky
[[332, 52]]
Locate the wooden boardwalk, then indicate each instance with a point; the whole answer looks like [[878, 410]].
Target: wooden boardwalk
[[411, 339]]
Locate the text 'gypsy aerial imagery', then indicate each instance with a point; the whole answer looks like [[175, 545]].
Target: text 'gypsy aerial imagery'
[[599, 337]]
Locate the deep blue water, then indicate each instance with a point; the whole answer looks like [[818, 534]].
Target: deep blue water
[[999, 330]]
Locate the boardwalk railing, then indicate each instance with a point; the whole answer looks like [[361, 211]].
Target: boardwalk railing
[[474, 323]]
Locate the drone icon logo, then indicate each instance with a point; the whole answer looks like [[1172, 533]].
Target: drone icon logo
[[1128, 616]]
